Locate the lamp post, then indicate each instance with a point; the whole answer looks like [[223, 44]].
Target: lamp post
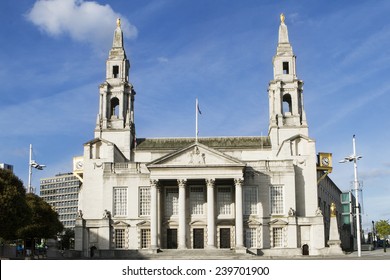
[[32, 163], [355, 158]]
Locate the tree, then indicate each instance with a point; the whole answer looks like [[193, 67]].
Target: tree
[[66, 239], [44, 221], [14, 211], [382, 228]]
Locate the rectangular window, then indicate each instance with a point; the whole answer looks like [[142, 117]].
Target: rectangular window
[[120, 238], [115, 71], [276, 199], [345, 208], [250, 238], [120, 201], [144, 201], [224, 200], [285, 68], [250, 200], [197, 200], [345, 197], [171, 201], [145, 238], [277, 237]]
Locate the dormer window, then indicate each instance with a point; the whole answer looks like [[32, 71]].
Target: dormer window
[[285, 68], [115, 71]]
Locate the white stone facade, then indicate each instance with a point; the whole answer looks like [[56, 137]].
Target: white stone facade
[[244, 193]]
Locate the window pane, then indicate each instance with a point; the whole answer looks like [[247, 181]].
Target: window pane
[[277, 199], [120, 238], [172, 201], [197, 200], [250, 238], [250, 200], [120, 201], [144, 201], [277, 235], [224, 198], [145, 238]]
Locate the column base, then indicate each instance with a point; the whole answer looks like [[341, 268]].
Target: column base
[[240, 250], [154, 249]]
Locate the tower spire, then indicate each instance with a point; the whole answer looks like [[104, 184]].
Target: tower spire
[[118, 39], [283, 42], [285, 91], [115, 121]]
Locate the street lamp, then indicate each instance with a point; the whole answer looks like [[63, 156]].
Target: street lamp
[[355, 158], [32, 163]]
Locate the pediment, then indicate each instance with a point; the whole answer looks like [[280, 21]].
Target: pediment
[[296, 142], [97, 141], [144, 224], [253, 222], [278, 222], [121, 224], [196, 155]]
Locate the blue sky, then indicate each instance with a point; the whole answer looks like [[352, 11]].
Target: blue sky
[[53, 53]]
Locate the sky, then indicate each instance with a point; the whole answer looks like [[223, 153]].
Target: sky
[[53, 54]]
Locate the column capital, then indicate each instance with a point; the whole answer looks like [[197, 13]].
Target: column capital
[[238, 181], [182, 183], [154, 182], [210, 182]]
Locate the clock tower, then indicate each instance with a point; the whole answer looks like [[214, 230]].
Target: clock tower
[[115, 121], [286, 112]]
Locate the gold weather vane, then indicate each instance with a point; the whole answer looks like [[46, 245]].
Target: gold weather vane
[[282, 18], [118, 22]]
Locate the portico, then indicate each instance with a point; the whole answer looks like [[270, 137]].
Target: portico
[[197, 203]]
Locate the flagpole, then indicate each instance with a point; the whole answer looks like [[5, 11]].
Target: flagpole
[[196, 121], [29, 171]]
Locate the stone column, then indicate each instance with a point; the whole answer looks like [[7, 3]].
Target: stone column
[[182, 214], [210, 214], [239, 214], [153, 216], [79, 232]]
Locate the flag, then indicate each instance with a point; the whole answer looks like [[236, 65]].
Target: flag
[[197, 106], [36, 165]]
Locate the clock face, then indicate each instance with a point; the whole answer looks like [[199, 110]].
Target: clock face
[[79, 165], [325, 161]]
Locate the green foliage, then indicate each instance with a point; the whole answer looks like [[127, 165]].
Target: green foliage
[[66, 239], [382, 228], [24, 216], [14, 211], [43, 222]]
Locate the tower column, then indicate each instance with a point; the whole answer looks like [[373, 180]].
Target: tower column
[[182, 214], [210, 213]]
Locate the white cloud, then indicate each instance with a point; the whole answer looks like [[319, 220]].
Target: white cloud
[[83, 21], [162, 59]]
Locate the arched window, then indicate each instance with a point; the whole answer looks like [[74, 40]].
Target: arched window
[[287, 108], [115, 107]]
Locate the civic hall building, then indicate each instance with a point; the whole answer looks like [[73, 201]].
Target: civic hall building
[[255, 194]]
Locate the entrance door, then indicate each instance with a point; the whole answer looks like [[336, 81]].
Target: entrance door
[[305, 250], [171, 238], [224, 238], [198, 238]]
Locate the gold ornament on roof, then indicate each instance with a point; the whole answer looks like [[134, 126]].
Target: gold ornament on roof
[[333, 209], [118, 22], [282, 18]]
